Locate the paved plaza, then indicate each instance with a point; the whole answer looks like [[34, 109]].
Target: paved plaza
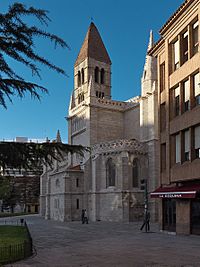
[[104, 244]]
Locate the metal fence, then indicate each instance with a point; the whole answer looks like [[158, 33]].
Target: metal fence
[[18, 251]]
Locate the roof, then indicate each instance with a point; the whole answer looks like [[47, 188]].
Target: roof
[[177, 13], [93, 47], [75, 168]]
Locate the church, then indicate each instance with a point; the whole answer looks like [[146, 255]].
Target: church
[[114, 179]]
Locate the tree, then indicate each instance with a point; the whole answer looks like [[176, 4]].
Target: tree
[[30, 156], [17, 41], [23, 158], [8, 193]]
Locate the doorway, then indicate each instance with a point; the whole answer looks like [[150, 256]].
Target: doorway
[[169, 215], [195, 217]]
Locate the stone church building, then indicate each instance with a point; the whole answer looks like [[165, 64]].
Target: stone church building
[[110, 180]]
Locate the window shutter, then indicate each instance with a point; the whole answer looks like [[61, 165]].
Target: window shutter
[[177, 91], [196, 84], [178, 149], [185, 34], [196, 24], [187, 141], [176, 52], [186, 91], [197, 137]]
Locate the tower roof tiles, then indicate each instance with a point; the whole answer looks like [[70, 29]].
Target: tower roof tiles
[[93, 47]]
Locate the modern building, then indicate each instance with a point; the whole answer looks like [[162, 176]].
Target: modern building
[[110, 181], [178, 65]]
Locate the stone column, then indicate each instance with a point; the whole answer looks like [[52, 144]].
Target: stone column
[[93, 195], [67, 199], [47, 213], [125, 186]]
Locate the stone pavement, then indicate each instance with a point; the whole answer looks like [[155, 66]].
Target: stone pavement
[[106, 244]]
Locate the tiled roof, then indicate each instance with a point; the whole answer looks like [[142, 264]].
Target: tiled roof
[[93, 47], [178, 12], [175, 15], [157, 44], [75, 168]]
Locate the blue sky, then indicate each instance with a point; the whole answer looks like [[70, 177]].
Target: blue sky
[[124, 27]]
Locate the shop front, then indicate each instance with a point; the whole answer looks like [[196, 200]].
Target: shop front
[[179, 208]]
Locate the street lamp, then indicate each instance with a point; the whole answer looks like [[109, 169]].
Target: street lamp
[[146, 215]]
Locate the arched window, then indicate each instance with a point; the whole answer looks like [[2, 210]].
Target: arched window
[[96, 75], [79, 98], [57, 183], [102, 76], [82, 76], [135, 173], [110, 172], [79, 78]]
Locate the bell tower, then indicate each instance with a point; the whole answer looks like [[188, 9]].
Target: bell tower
[[92, 81], [92, 69]]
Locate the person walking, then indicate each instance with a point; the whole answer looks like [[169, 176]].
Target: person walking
[[85, 216]]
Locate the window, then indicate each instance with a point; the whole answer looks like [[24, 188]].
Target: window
[[178, 148], [184, 47], [196, 85], [186, 145], [102, 76], [195, 37], [162, 117], [99, 94], [163, 157], [79, 78], [177, 100], [77, 204], [56, 203], [57, 183], [186, 92], [176, 55], [110, 172], [197, 141], [81, 97], [77, 182], [82, 76], [162, 77], [96, 75], [135, 173]]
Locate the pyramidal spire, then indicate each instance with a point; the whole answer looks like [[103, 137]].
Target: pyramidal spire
[[93, 47], [151, 42], [58, 138], [150, 69]]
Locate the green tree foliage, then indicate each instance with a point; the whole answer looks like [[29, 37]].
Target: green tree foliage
[[8, 192], [17, 42], [24, 158], [30, 156]]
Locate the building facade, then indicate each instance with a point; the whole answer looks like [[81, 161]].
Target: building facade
[[178, 65], [122, 135]]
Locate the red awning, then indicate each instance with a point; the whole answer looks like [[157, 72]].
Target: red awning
[[176, 192]]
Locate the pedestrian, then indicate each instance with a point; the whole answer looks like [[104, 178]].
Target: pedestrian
[[146, 221], [83, 216]]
